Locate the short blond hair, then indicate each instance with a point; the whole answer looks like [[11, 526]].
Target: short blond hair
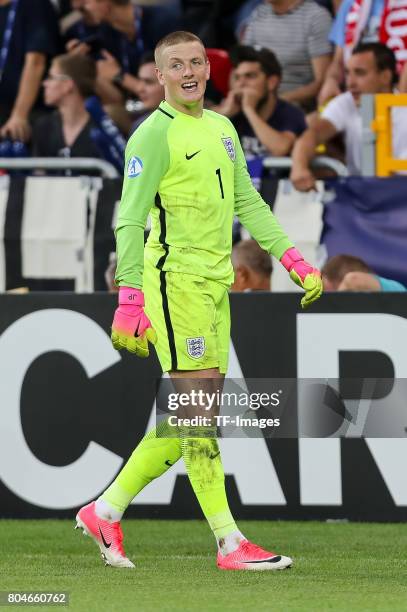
[[175, 38]]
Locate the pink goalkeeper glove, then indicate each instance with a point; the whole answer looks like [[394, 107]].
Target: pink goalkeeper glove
[[304, 275], [131, 328]]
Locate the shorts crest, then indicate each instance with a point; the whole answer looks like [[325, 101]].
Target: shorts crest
[[196, 347]]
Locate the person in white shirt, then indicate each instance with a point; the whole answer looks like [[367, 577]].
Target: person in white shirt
[[371, 69]]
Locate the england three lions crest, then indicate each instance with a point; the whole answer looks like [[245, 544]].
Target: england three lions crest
[[196, 347], [230, 147]]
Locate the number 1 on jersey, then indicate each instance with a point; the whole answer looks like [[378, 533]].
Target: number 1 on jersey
[[220, 183]]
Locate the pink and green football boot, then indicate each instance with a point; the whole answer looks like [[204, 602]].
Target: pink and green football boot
[[108, 536], [252, 557]]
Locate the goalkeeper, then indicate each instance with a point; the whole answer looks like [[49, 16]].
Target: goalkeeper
[[185, 166]]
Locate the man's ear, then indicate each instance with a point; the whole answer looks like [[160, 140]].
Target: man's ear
[[208, 70], [243, 272], [273, 82], [160, 76], [386, 77]]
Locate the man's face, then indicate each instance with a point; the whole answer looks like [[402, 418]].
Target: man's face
[[56, 85], [97, 9], [80, 5], [150, 91], [249, 75], [363, 77], [183, 71]]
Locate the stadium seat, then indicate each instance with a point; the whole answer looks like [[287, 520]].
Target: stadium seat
[[301, 216], [221, 67]]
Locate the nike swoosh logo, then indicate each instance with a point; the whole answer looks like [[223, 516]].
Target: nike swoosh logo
[[168, 462], [105, 544], [193, 154], [214, 455], [272, 560]]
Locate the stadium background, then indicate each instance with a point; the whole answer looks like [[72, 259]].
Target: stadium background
[[57, 397], [62, 431]]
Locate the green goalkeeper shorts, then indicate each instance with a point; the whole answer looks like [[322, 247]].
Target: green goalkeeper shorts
[[191, 316]]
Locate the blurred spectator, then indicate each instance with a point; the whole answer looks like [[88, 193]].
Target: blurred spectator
[[252, 267], [349, 273], [110, 69], [68, 131], [297, 32], [371, 69], [351, 26], [126, 30], [144, 86], [28, 35], [82, 24], [266, 125], [150, 92], [362, 21], [91, 32], [242, 15]]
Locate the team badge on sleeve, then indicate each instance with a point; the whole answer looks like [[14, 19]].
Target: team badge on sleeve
[[230, 147], [196, 347], [134, 167]]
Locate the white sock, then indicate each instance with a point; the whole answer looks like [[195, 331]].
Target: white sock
[[106, 512], [230, 542]]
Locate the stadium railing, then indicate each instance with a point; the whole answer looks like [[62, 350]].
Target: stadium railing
[[321, 161], [70, 249], [106, 169]]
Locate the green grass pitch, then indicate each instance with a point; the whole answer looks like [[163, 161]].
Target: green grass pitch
[[338, 566]]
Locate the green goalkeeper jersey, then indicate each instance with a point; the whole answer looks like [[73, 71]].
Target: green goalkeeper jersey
[[190, 174]]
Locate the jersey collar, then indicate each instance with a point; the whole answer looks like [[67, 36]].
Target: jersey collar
[[167, 108]]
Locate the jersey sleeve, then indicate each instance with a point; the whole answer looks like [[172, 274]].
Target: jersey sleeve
[[146, 162], [254, 213]]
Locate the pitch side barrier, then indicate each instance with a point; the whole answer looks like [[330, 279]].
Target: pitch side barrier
[[83, 164], [56, 232], [322, 161], [107, 170], [61, 381]]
